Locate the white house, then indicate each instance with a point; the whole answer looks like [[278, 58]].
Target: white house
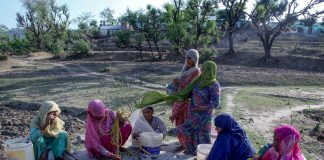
[[106, 30]]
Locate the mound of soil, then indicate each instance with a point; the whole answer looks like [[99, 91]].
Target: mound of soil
[[15, 118]]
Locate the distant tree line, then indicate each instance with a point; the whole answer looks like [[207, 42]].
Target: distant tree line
[[182, 23]]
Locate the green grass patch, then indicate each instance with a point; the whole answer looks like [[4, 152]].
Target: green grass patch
[[256, 139], [256, 98]]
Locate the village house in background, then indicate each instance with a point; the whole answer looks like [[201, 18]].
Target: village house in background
[[300, 27], [108, 30]]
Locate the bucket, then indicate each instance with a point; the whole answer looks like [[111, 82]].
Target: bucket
[[19, 149], [203, 151], [150, 151], [150, 143]]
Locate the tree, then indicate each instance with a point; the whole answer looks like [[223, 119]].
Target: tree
[[4, 39], [85, 17], [60, 19], [45, 24], [36, 20], [124, 39], [285, 12], [309, 22], [155, 30], [141, 24], [200, 28], [233, 12], [108, 16], [94, 29], [177, 26]]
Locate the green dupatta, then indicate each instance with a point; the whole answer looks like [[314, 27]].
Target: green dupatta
[[207, 77]]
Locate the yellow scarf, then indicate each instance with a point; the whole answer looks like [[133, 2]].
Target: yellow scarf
[[40, 119]]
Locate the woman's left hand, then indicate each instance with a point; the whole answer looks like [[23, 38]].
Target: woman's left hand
[[200, 108]]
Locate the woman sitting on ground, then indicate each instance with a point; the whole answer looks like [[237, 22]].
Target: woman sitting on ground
[[232, 142], [146, 122], [101, 141], [285, 145], [47, 132]]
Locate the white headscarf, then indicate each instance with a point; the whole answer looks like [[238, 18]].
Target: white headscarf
[[194, 55]]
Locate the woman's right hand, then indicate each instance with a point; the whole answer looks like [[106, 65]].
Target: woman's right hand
[[115, 157], [171, 118], [176, 81]]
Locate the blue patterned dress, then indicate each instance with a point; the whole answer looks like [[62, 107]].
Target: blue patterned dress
[[198, 125]]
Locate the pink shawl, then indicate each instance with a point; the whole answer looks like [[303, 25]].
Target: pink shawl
[[288, 138], [97, 108]]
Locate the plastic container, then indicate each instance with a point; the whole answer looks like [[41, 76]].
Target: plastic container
[[150, 151], [19, 149], [203, 151], [150, 143]]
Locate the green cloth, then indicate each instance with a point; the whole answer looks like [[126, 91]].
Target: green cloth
[[41, 143], [207, 77]]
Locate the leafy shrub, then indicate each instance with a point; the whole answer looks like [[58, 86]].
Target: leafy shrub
[[4, 47], [19, 46], [208, 54], [81, 47], [57, 48], [106, 69], [3, 57]]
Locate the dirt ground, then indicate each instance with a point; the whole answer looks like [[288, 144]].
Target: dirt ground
[[259, 97]]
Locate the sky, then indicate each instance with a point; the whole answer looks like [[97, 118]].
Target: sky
[[9, 8]]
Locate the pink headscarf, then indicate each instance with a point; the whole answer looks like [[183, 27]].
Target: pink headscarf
[[97, 108], [288, 138]]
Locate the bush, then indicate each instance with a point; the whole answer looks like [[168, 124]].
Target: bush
[[19, 46], [4, 47], [3, 57], [57, 48], [81, 47], [208, 55]]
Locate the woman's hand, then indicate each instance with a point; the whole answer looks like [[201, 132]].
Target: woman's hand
[[49, 120], [136, 135], [176, 81], [171, 118], [114, 157], [200, 108]]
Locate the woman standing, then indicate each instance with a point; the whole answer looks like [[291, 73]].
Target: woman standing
[[205, 97], [190, 70], [100, 137], [204, 92], [47, 133]]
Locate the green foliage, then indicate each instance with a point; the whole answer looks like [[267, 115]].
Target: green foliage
[[207, 54], [45, 24], [106, 69], [309, 21], [81, 47], [108, 16], [3, 57], [123, 39], [19, 46], [57, 47], [94, 29], [4, 39], [285, 13]]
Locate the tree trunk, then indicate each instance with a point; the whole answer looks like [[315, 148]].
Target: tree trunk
[[231, 44], [267, 59], [141, 54], [149, 43], [158, 50]]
